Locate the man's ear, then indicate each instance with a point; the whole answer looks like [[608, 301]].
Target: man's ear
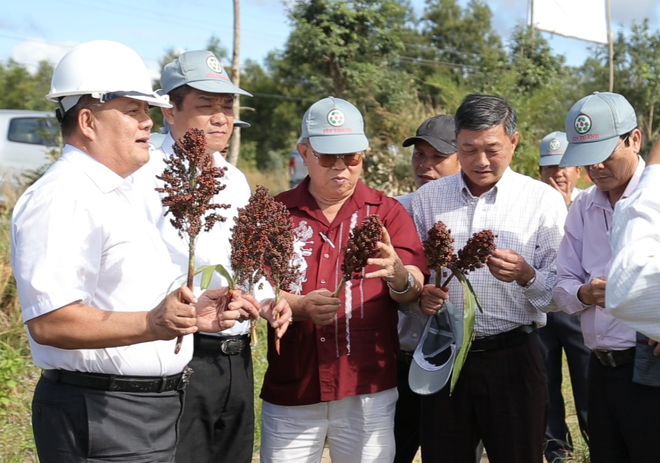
[[168, 114], [302, 150], [515, 138], [87, 123], [636, 140]]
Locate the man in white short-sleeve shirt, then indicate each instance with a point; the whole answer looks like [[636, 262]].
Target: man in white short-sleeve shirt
[[92, 276], [218, 419]]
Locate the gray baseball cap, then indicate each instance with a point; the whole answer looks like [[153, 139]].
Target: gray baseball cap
[[201, 70], [434, 357], [551, 149], [593, 127], [439, 131], [334, 126]]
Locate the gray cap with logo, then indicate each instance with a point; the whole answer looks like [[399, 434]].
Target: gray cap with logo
[[201, 70], [551, 149], [334, 126], [593, 127], [435, 355]]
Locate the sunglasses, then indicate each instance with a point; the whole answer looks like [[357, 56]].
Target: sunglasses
[[329, 160]]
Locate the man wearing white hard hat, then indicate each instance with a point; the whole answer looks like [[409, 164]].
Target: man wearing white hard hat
[[624, 375], [218, 419], [92, 275]]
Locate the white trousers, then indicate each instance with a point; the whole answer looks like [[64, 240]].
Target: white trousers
[[359, 429]]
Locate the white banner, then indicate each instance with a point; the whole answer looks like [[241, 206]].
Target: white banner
[[581, 19]]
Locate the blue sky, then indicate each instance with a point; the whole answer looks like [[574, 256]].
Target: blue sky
[[31, 30]]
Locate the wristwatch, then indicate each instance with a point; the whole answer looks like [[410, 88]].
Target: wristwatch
[[410, 284], [530, 282]]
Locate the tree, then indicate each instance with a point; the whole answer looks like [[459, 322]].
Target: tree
[[455, 43], [23, 90], [350, 49]]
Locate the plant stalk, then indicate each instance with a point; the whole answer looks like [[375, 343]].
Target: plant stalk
[[338, 290], [189, 283]]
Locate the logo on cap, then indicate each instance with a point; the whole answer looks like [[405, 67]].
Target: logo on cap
[[213, 64], [582, 123], [336, 118], [554, 144]]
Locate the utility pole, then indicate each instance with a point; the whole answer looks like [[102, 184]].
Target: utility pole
[[235, 143], [610, 39]]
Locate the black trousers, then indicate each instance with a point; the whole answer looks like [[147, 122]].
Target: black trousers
[[621, 416], [501, 398], [563, 334], [217, 425], [78, 425], [407, 416]]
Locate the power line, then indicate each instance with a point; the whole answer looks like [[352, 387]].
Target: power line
[[177, 20]]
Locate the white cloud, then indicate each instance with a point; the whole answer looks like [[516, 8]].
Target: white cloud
[[33, 50]]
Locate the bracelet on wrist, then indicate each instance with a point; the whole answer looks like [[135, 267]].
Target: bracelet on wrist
[[410, 284]]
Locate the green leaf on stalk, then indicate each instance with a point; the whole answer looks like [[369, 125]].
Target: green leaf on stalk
[[207, 273], [469, 314], [475, 295]]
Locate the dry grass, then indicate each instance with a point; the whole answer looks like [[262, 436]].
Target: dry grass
[[276, 182]]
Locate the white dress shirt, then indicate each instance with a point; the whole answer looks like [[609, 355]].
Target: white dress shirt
[[526, 215], [77, 236], [633, 292], [212, 247], [585, 254]]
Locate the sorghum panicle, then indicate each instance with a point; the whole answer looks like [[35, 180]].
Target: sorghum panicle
[[262, 241], [439, 247], [190, 183], [361, 246], [476, 252]]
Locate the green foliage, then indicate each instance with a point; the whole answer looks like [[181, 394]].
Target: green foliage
[[348, 47], [22, 90], [17, 373]]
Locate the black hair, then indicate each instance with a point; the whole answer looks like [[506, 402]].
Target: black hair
[[481, 112]]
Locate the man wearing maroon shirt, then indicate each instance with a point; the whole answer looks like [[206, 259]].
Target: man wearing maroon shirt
[[336, 376]]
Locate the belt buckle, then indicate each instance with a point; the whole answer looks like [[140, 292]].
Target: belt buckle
[[185, 378], [231, 346]]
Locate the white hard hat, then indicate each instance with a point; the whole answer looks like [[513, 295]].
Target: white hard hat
[[104, 70]]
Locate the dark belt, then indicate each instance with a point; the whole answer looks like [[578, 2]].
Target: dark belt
[[119, 383], [511, 338], [228, 345], [615, 358]]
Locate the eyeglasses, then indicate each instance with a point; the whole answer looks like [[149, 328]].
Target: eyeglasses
[[329, 160], [623, 139]]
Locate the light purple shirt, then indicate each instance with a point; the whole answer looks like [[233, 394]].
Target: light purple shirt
[[585, 254]]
